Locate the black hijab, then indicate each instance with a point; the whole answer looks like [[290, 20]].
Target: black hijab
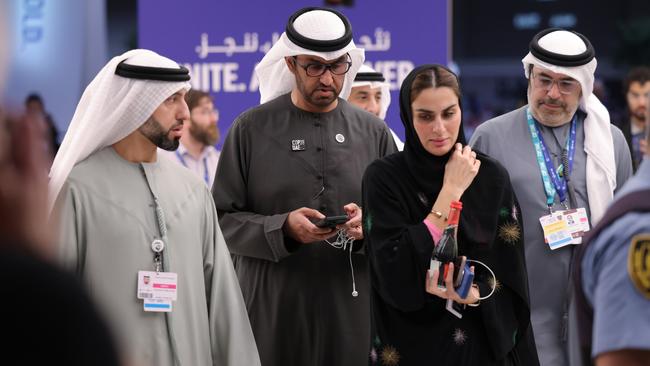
[[425, 167], [481, 204]]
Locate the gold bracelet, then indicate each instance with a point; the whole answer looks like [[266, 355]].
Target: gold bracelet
[[438, 214]]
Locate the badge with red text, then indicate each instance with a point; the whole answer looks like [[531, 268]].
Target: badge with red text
[[157, 285]]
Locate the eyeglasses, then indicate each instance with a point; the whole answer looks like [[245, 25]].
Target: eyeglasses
[[564, 86], [316, 69]]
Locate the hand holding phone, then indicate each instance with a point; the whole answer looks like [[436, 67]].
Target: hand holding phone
[[299, 226], [331, 221], [467, 278]]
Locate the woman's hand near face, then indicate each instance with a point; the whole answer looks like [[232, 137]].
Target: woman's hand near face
[[460, 170]]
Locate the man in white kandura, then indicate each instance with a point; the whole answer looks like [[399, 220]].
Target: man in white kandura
[[125, 215]]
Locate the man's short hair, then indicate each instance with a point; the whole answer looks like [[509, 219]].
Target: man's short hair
[[639, 74], [193, 97], [33, 97]]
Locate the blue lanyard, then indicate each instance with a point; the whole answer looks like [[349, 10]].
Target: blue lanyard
[[205, 166], [552, 182]]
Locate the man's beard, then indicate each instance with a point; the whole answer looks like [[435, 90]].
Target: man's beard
[[312, 99], [551, 117], [639, 113], [159, 137], [322, 101], [206, 135]]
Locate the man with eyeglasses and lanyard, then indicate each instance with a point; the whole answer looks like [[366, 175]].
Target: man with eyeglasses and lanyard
[[565, 161], [295, 159], [196, 150]]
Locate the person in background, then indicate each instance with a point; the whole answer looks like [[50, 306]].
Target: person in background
[[371, 93], [636, 88], [34, 106], [196, 150]]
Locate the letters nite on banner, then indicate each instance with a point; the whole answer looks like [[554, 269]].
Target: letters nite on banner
[[216, 77]]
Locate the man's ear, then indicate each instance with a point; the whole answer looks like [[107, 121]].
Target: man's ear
[[291, 64]]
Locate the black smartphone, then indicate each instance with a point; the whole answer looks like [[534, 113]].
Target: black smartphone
[[332, 221]]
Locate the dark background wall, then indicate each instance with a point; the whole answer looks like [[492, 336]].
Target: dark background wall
[[491, 37]]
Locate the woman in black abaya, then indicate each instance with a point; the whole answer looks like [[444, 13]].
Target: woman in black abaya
[[406, 198]]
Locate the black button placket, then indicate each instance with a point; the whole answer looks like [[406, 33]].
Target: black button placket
[[320, 176]]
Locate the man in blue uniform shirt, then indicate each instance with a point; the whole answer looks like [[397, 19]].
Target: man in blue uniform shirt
[[614, 300]]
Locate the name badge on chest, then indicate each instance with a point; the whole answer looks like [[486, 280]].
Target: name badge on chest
[[298, 145], [562, 228], [157, 289], [577, 222]]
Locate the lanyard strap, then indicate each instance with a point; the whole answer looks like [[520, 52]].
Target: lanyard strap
[[206, 178], [158, 260], [550, 177], [160, 220]]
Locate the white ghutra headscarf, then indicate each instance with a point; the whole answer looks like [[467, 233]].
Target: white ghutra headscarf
[[322, 33], [360, 80], [111, 108], [367, 76]]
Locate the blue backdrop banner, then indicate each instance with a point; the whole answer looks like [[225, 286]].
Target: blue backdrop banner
[[222, 41]]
